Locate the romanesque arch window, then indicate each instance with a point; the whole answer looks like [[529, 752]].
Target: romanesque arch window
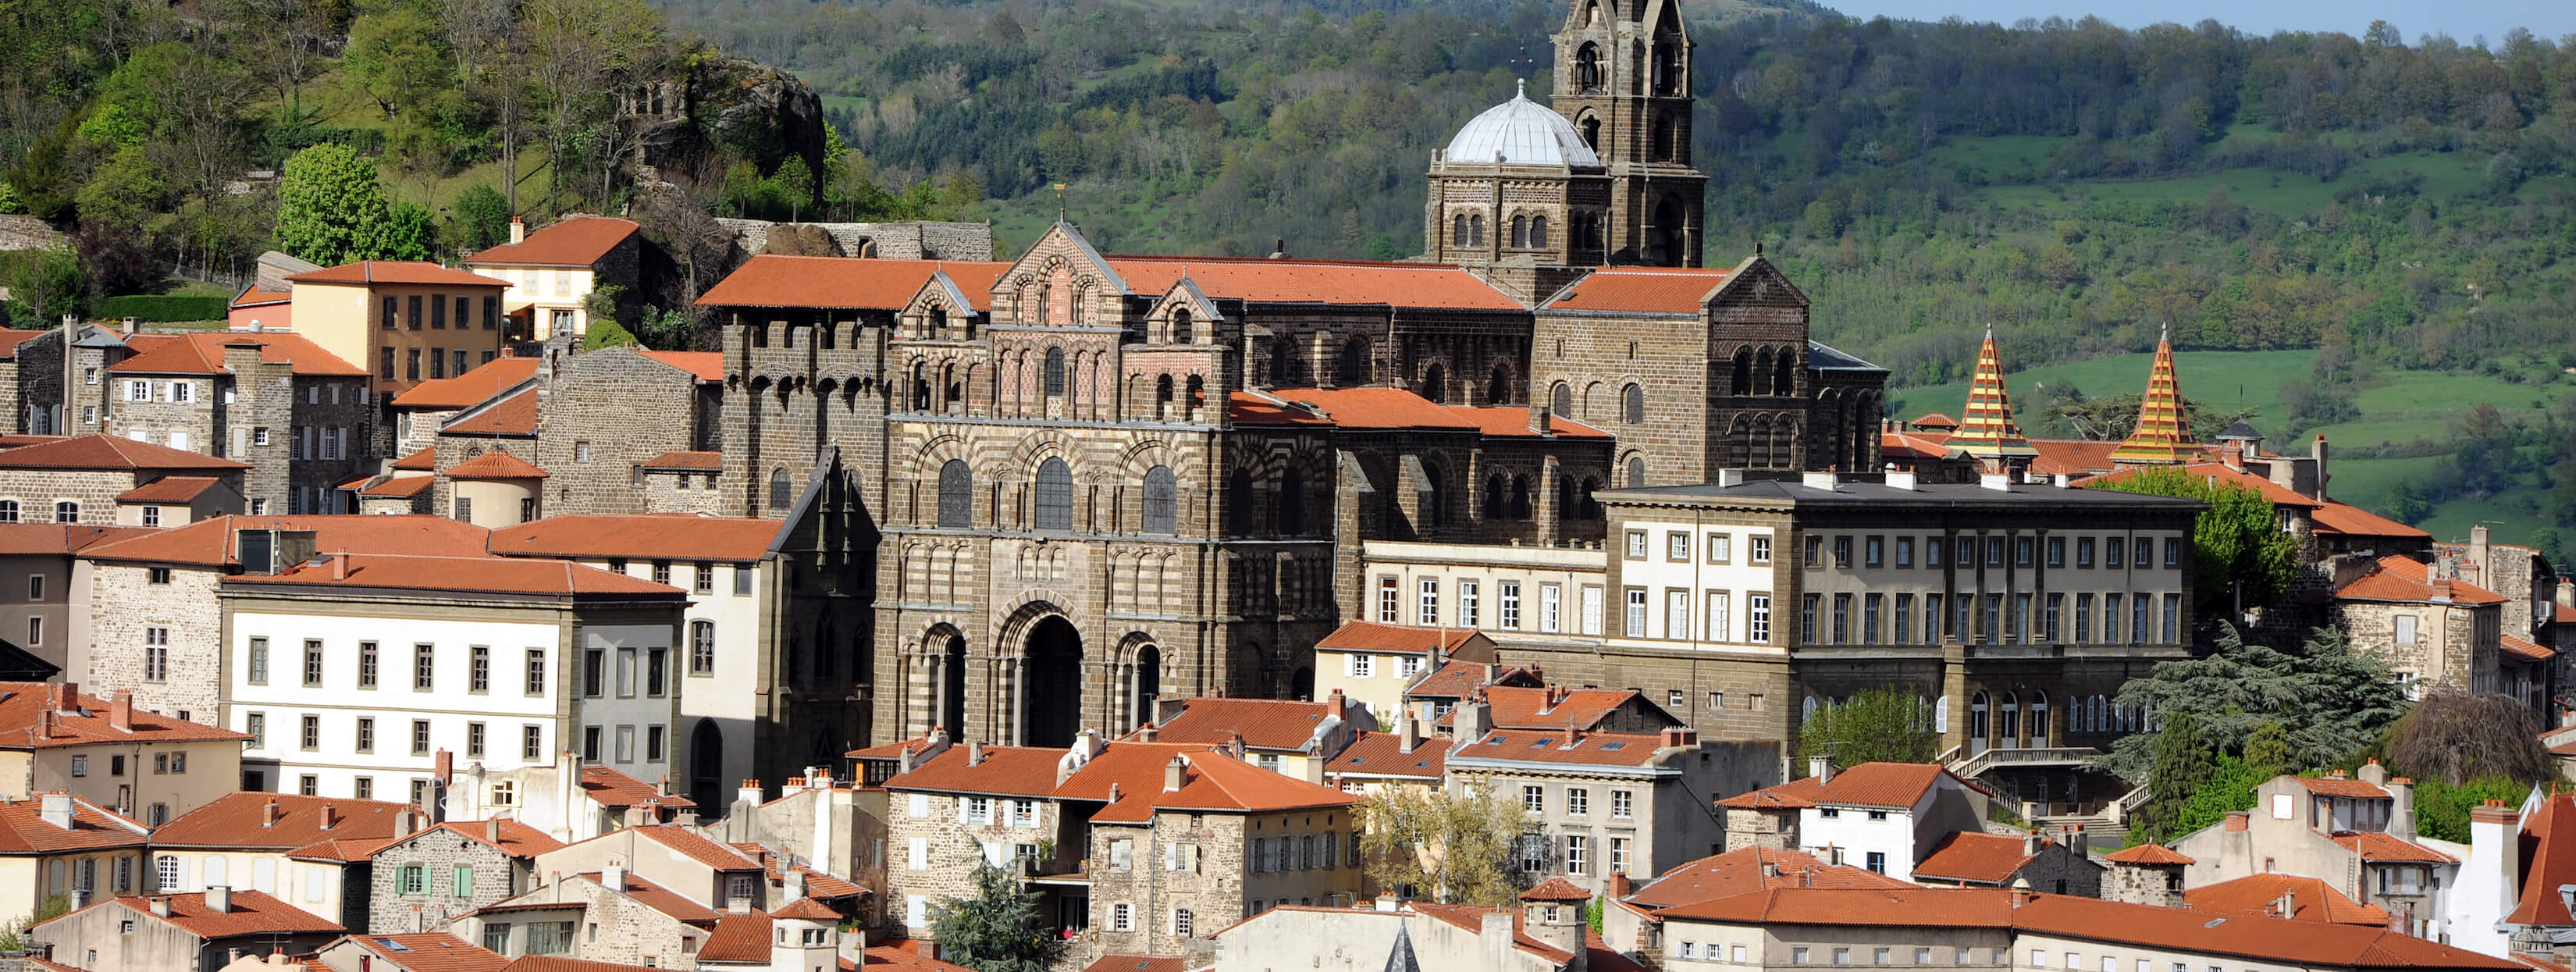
[[1592, 133], [1055, 372], [1743, 384], [66, 511], [1046, 304], [956, 495], [1636, 471], [938, 320], [1163, 397], [1181, 325], [1634, 405], [1055, 495], [1561, 401], [1538, 231], [1458, 230], [1785, 380], [1238, 502], [1285, 368], [1161, 500], [1498, 386], [1587, 64], [1476, 230], [781, 493], [1292, 502], [1435, 384], [920, 387], [1520, 497], [1762, 374], [1434, 496], [1081, 301], [1352, 368], [1495, 507], [1520, 231]]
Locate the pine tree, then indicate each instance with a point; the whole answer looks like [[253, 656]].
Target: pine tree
[[997, 930], [2184, 762]]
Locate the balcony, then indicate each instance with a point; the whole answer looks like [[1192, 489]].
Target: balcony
[[2032, 758]]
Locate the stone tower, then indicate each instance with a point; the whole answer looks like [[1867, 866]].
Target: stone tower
[[1623, 77]]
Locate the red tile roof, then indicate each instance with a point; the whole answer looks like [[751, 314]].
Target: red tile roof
[[903, 955], [679, 907], [1555, 889], [687, 461], [11, 339], [2375, 846], [706, 366], [515, 415], [1752, 869], [2147, 854], [2074, 457], [2260, 894], [110, 452], [769, 280], [2350, 520], [495, 464], [1659, 290], [1116, 962], [516, 839], [573, 241], [806, 909], [239, 821], [469, 389], [248, 913], [1598, 955], [212, 542], [1345, 282], [202, 353], [1592, 749], [558, 963], [169, 489], [1215, 781], [23, 829], [1394, 408], [1514, 707], [695, 846], [738, 938], [400, 487], [2401, 579], [1264, 723], [1797, 794], [395, 272], [1974, 857], [2526, 649], [2341, 786], [84, 720], [608, 787], [2273, 940], [2549, 865], [425, 952], [817, 883], [1935, 420], [1251, 408], [424, 460], [1010, 771], [1382, 754], [1896, 786], [342, 851], [1456, 679], [2219, 473], [1912, 445], [61, 538], [474, 575], [648, 536]]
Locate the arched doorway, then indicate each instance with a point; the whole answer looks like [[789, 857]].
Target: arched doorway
[[706, 765], [1148, 684], [952, 687], [1435, 384], [1664, 244], [1977, 724], [1051, 684], [1301, 686]]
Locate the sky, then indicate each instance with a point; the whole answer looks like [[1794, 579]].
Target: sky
[[2464, 20]]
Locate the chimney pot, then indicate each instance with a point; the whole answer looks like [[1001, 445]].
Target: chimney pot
[[120, 711], [613, 877]]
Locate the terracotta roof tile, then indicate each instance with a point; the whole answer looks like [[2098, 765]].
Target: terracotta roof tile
[[2147, 854], [1912, 445], [649, 536], [1406, 285], [515, 415], [2526, 649], [202, 353], [1264, 723], [687, 461], [169, 489], [248, 913], [696, 846], [1555, 889], [679, 907], [110, 452], [1934, 420], [61, 538], [1116, 962], [738, 938], [474, 575], [213, 542], [1593, 749], [1010, 771], [1797, 794], [558, 963], [425, 952], [1215, 781], [1457, 679], [1514, 707], [1598, 954], [2074, 457], [1249, 408], [1974, 857], [395, 272], [1381, 754], [707, 366], [23, 829], [2350, 520], [424, 460], [2260, 894], [818, 884], [2341, 786], [400, 487], [11, 339], [2550, 863], [2402, 579], [903, 955], [609, 787], [2375, 846], [806, 909], [239, 820], [471, 388], [1752, 869], [574, 241], [341, 850], [1513, 422], [495, 464], [85, 720], [770, 280], [1896, 786], [1660, 290], [516, 839]]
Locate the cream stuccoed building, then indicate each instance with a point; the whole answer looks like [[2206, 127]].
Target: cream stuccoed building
[[369, 676]]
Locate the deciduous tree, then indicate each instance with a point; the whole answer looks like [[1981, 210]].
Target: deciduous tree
[[2240, 556], [1454, 848], [2454, 736], [1888, 723]]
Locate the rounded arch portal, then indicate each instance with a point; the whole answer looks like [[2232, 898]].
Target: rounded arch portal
[[1051, 683]]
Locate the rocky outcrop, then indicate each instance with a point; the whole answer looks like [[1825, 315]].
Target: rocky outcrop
[[690, 127]]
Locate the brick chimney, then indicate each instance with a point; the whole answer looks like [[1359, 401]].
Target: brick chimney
[[339, 566], [330, 816], [1173, 772], [2238, 821], [1334, 704], [2020, 892], [268, 813], [120, 711], [1234, 739]]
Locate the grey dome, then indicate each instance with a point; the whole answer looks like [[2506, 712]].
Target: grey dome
[[1522, 132]]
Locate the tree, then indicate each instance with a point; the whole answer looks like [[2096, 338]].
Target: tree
[[2183, 763], [2267, 749], [1000, 929], [2327, 702], [115, 258], [43, 286], [124, 191], [405, 234], [2240, 556], [1454, 848], [1882, 724], [396, 59], [2442, 810], [330, 208], [2454, 736], [605, 332], [482, 218]]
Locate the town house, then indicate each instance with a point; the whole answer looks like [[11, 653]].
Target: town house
[[1606, 803], [57, 845], [181, 932], [422, 882], [298, 848], [108, 752]]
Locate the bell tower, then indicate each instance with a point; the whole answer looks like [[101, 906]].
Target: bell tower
[[1623, 77]]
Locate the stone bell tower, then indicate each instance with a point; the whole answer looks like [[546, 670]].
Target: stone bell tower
[[1623, 77]]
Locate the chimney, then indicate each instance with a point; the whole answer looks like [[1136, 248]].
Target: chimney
[[1475, 719], [2373, 773], [2020, 892], [1770, 869], [1234, 740], [120, 711], [613, 877], [2237, 822], [518, 231], [2567, 592], [268, 813], [793, 786], [2287, 906], [1821, 767], [1147, 732], [44, 723], [160, 906], [1618, 885], [56, 809], [1173, 773], [442, 771], [330, 816], [2479, 551], [2233, 454], [2030, 842], [1999, 482], [1408, 731], [67, 697], [1333, 705], [1900, 478], [1825, 480], [1386, 902], [2496, 827], [2317, 451], [1678, 737], [340, 566], [975, 753], [219, 899], [928, 948], [492, 831], [795, 885], [749, 791], [1539, 415]]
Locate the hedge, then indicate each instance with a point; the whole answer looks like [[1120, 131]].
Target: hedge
[[163, 308]]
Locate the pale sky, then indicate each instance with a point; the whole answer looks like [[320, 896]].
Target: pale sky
[[2464, 20]]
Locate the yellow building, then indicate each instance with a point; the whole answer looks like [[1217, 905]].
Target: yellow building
[[406, 322], [553, 271], [149, 766], [59, 844]]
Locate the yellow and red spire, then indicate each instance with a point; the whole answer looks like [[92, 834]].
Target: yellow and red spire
[[2163, 436], [1986, 429]]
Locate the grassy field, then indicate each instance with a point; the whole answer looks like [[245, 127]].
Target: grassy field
[[2216, 379]]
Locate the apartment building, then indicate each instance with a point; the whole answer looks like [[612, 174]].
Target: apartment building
[[53, 739], [553, 271], [1609, 803]]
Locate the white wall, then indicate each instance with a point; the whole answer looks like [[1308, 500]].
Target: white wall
[[1852, 830], [726, 692], [1699, 574]]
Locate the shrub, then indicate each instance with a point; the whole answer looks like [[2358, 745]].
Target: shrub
[[163, 308]]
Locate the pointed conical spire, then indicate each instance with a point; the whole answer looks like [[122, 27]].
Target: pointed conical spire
[[2163, 436], [1986, 429]]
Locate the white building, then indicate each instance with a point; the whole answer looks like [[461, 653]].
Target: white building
[[1882, 817], [372, 675]]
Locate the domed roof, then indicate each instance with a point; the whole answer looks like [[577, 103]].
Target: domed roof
[[1522, 132]]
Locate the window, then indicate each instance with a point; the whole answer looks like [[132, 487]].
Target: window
[[1636, 613], [1055, 495], [656, 671], [1122, 916], [256, 725], [1534, 799], [1548, 607], [1761, 550], [67, 512], [2172, 615], [152, 516], [1718, 624], [2083, 619], [626, 744], [1636, 544], [1181, 922], [1386, 598], [465, 509], [1578, 801], [1677, 547], [2021, 551], [312, 732], [2406, 628], [702, 647], [1798, 955], [312, 662], [625, 673], [1469, 607], [420, 737], [661, 572], [1808, 604], [1578, 854], [1509, 617], [532, 743], [1055, 372], [590, 743], [1161, 503], [1757, 618], [1360, 665], [742, 573], [474, 739], [1877, 859], [156, 654], [155, 575], [1842, 552], [1618, 855], [138, 391], [1426, 602], [366, 734], [423, 670], [2084, 551], [1842, 956], [1873, 552], [536, 671], [2173, 553], [1878, 956]]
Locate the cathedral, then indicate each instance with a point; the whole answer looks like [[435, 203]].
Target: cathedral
[[1035, 494]]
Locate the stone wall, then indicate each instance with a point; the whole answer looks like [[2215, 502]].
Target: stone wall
[[37, 491], [602, 415], [27, 233], [124, 603], [674, 492], [495, 876], [2139, 884], [1225, 885], [920, 240], [951, 845]]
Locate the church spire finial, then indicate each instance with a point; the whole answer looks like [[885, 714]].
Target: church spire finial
[[1520, 89]]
